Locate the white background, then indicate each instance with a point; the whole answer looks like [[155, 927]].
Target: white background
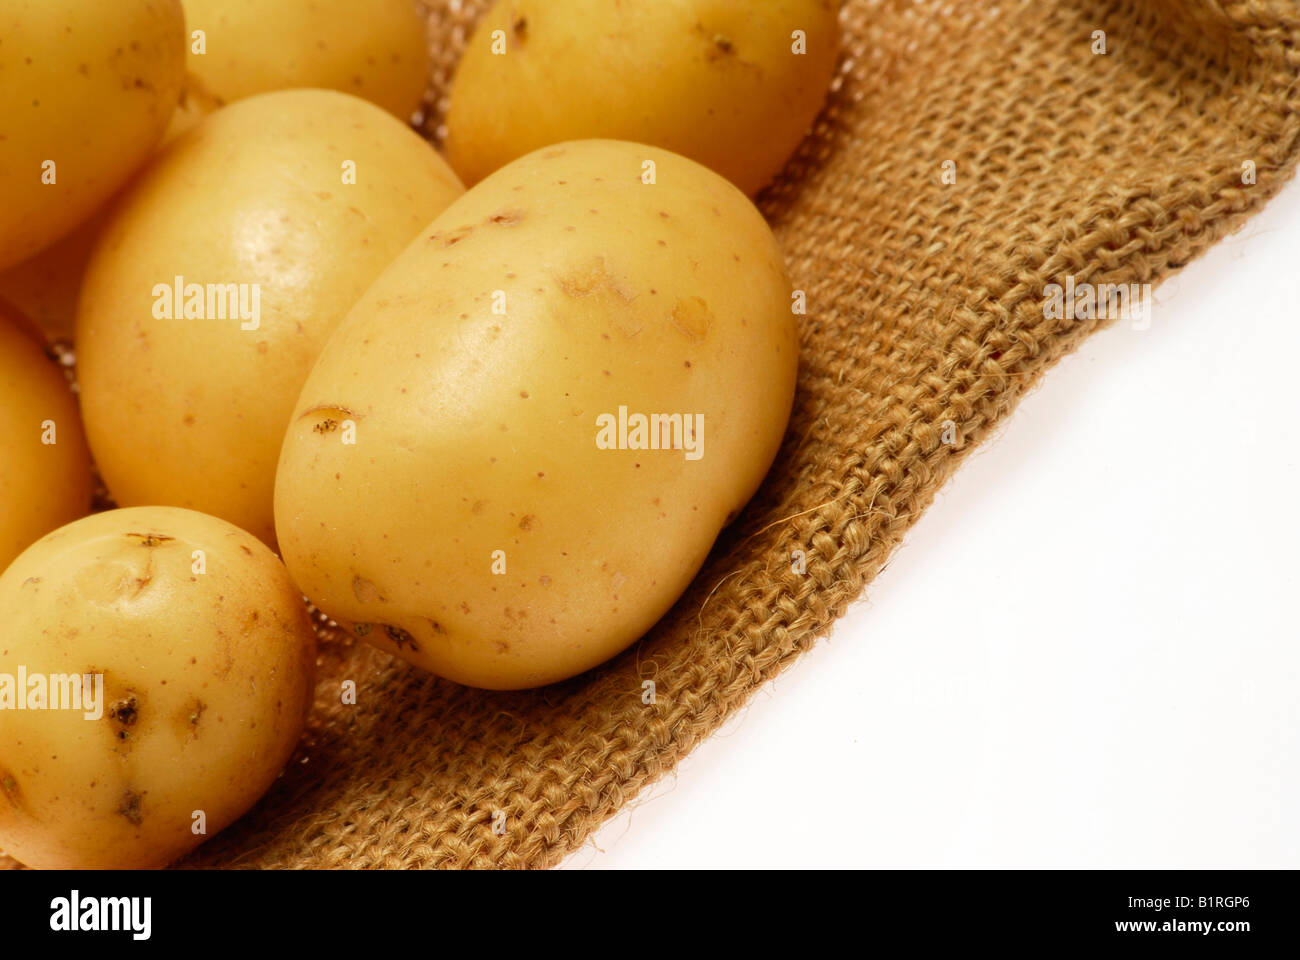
[[1086, 652]]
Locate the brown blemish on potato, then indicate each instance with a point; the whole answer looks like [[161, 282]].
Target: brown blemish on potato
[[437, 627], [189, 718], [124, 713], [529, 522], [401, 638], [506, 218], [11, 790], [151, 539], [329, 417], [365, 591], [451, 237], [594, 278], [692, 319], [130, 806]]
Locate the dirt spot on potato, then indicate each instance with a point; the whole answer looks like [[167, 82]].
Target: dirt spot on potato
[[10, 789], [332, 415], [401, 638], [131, 805], [529, 522], [506, 218], [189, 719], [124, 713]]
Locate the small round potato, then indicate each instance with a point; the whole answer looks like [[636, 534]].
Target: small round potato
[[732, 85], [515, 453], [45, 478], [219, 276], [155, 675], [86, 90], [375, 50]]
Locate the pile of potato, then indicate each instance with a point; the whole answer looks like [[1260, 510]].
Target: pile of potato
[[494, 432]]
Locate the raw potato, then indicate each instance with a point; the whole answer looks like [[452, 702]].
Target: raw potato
[[46, 286], [191, 412], [207, 658], [43, 485], [376, 50], [88, 86], [472, 375], [715, 80]]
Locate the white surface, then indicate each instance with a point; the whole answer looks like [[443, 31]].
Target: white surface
[[1086, 653]]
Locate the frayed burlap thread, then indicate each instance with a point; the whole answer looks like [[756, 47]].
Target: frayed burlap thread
[[924, 308]]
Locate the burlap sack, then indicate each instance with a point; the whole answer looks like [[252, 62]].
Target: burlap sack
[[925, 306]]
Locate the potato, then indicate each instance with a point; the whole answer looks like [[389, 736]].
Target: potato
[[720, 82], [46, 286], [455, 484], [377, 50], [186, 398], [88, 88], [199, 655], [45, 478]]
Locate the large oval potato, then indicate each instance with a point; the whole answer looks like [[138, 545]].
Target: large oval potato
[[377, 50], [186, 397], [198, 657], [45, 478], [86, 90], [721, 82], [464, 481]]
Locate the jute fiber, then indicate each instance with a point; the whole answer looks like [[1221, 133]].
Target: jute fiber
[[925, 305]]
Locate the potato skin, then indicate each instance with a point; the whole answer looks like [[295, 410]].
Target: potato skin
[[191, 413], [713, 80], [90, 86], [207, 679], [42, 486], [46, 287], [476, 432], [376, 50]]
